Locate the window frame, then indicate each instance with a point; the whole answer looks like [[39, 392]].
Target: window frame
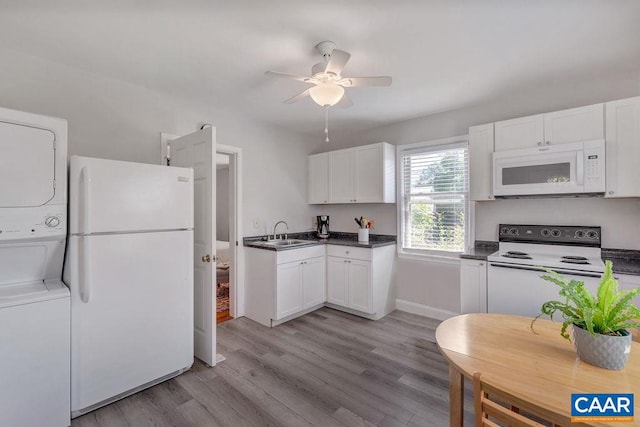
[[447, 257]]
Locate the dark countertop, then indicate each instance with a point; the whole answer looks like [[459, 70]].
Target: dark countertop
[[335, 238], [481, 250], [625, 261]]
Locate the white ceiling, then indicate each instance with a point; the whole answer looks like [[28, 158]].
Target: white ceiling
[[442, 55]]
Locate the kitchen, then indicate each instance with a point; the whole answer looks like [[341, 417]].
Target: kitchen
[[126, 121]]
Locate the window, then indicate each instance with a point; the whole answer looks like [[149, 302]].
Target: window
[[433, 208]]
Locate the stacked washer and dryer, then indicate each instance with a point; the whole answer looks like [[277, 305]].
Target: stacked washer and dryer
[[34, 302]]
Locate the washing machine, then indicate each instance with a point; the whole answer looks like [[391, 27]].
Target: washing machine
[[34, 302]]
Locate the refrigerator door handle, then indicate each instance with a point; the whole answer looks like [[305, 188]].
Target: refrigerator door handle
[[85, 268], [85, 179]]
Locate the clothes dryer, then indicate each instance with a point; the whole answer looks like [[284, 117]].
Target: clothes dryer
[[34, 302]]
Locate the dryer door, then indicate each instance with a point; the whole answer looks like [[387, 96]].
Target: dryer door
[[27, 165]]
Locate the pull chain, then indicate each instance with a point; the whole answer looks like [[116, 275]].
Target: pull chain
[[326, 123]]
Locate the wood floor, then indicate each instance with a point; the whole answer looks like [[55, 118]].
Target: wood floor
[[327, 368]]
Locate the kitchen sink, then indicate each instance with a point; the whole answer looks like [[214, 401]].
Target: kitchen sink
[[287, 242]]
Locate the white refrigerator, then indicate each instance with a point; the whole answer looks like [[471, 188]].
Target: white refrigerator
[[129, 268]]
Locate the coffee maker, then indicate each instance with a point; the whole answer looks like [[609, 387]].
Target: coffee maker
[[323, 226]]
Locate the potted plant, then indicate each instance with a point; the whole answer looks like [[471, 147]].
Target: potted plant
[[599, 322]]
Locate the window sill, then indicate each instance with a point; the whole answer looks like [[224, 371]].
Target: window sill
[[453, 259]]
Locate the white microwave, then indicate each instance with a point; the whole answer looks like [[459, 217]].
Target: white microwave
[[565, 169]]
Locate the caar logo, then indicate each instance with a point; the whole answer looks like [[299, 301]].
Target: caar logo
[[602, 407]]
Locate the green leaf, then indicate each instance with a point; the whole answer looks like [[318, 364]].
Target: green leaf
[[609, 312]]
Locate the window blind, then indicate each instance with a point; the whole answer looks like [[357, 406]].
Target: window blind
[[434, 198]]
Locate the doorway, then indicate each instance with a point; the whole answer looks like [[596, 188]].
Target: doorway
[[229, 280]]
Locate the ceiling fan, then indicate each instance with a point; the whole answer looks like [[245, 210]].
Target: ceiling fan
[[327, 80]]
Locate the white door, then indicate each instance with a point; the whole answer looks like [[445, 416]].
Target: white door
[[341, 176], [289, 289], [337, 280], [197, 150], [360, 295], [314, 289], [523, 132], [367, 174]]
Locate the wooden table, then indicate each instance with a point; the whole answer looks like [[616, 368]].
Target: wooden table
[[541, 369]]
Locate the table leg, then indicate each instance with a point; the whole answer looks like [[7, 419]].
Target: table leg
[[456, 397]]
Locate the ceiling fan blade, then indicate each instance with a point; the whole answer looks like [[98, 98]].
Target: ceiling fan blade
[[365, 81], [337, 61], [297, 97], [345, 101], [286, 76]]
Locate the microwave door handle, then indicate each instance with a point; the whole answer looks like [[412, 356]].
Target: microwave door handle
[[580, 169]]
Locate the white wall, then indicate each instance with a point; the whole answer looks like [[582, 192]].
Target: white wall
[[436, 284], [116, 120]]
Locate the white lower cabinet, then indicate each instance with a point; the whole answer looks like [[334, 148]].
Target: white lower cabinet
[[282, 285], [359, 280], [473, 286]]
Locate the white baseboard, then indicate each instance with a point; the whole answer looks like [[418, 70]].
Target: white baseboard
[[424, 310]]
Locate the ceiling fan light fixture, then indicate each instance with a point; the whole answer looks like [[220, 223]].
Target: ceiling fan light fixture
[[326, 94]]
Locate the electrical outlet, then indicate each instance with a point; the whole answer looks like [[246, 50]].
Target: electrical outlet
[[256, 224]]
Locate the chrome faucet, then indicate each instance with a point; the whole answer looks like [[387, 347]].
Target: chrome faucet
[[276, 226]]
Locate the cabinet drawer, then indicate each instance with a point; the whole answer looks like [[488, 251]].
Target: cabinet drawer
[[300, 254], [350, 252]]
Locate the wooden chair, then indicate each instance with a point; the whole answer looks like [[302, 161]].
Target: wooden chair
[[489, 403]]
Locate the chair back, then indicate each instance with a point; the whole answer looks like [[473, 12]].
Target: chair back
[[495, 408]]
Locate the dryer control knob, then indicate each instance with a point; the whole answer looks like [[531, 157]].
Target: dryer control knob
[[52, 221]]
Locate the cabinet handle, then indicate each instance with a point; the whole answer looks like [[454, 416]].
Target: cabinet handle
[[539, 142], [347, 252], [548, 143], [611, 192]]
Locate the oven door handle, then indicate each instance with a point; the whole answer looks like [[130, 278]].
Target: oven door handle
[[569, 273]]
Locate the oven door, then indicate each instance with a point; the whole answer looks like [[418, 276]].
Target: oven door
[[548, 170], [520, 290]]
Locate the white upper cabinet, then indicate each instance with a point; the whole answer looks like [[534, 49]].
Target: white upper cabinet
[[558, 127], [363, 174], [480, 164], [523, 132], [341, 176], [623, 148], [318, 185]]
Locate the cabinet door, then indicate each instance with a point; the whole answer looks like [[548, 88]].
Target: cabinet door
[[473, 286], [368, 174], [574, 125], [341, 176], [289, 289], [337, 280], [314, 288], [627, 283], [318, 184], [480, 162], [523, 132], [623, 148], [360, 286]]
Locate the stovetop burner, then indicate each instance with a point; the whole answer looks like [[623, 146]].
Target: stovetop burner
[[516, 254], [575, 259]]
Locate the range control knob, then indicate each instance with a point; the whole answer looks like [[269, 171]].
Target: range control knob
[[545, 232], [555, 232], [52, 221], [580, 234], [504, 231], [592, 234], [514, 231]]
